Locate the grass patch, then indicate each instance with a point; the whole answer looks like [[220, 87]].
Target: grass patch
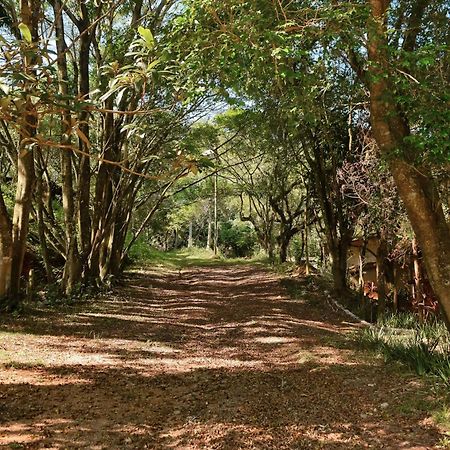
[[4, 356], [16, 446], [23, 365], [444, 443], [414, 404], [425, 348], [406, 320], [442, 417], [183, 258]]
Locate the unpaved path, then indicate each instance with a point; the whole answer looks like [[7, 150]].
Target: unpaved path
[[206, 358]]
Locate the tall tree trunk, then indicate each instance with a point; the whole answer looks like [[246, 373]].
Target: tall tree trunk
[[22, 207], [190, 237], [84, 169], [29, 11], [381, 274], [338, 251], [41, 224], [208, 239], [216, 220], [71, 271], [418, 297], [306, 240], [103, 194], [338, 229], [415, 184], [284, 244]]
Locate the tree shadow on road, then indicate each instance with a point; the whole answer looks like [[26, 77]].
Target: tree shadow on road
[[210, 358]]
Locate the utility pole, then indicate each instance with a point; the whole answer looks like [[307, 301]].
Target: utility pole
[[216, 223], [190, 237]]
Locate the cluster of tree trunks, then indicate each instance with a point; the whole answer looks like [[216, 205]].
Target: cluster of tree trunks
[[96, 221]]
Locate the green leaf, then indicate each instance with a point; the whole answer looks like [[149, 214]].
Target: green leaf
[[25, 32], [153, 64], [147, 35]]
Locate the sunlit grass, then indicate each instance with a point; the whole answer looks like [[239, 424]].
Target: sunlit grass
[[424, 349], [187, 257], [442, 417], [406, 320]]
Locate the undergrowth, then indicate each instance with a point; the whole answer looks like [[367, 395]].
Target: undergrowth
[[423, 347], [406, 320]]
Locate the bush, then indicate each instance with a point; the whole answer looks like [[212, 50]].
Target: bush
[[237, 239], [296, 249]]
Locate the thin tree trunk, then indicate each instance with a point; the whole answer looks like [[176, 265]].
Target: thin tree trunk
[[395, 297], [190, 239], [71, 271], [302, 249], [84, 169], [362, 255], [216, 222], [323, 257], [381, 274], [208, 239], [41, 224], [307, 268], [5, 248], [418, 299]]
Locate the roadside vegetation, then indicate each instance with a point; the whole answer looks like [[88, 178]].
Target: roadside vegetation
[[423, 347]]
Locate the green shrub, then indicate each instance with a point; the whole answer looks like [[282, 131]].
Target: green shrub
[[296, 249], [142, 250], [237, 238]]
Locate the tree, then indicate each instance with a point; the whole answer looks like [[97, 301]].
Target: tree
[[287, 45], [105, 126], [392, 130]]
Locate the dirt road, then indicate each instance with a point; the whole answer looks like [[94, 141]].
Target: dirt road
[[205, 358]]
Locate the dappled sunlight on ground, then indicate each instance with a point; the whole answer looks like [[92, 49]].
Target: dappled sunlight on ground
[[211, 357]]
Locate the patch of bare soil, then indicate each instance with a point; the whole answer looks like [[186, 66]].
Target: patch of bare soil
[[206, 358]]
